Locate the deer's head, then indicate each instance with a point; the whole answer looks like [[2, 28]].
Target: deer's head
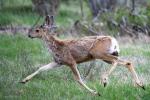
[[43, 30]]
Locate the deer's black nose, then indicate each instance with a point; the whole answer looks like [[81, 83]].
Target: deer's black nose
[[30, 36]]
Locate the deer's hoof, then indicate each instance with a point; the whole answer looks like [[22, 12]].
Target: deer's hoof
[[140, 84], [98, 94], [105, 84], [104, 80], [143, 87], [24, 81]]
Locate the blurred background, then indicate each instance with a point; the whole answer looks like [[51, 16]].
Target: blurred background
[[126, 20]]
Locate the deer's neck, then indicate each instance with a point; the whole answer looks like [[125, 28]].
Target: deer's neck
[[53, 43], [50, 39]]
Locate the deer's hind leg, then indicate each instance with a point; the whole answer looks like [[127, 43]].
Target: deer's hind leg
[[41, 69], [115, 60], [111, 60], [131, 69]]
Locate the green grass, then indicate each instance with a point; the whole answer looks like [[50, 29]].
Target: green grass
[[20, 12], [141, 50], [20, 56]]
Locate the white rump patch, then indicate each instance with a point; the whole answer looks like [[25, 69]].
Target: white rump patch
[[114, 46]]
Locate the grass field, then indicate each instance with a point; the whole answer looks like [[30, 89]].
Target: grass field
[[21, 13], [20, 56]]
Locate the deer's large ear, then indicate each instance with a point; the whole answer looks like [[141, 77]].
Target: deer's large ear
[[49, 20], [52, 20]]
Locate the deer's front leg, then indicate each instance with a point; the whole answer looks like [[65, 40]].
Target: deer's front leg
[[43, 68], [79, 80]]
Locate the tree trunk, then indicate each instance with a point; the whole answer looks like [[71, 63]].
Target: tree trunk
[[46, 7], [133, 6], [81, 7], [101, 5]]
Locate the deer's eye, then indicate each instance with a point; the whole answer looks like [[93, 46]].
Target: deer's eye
[[37, 31]]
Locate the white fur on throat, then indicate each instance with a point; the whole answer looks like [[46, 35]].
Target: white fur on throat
[[114, 46]]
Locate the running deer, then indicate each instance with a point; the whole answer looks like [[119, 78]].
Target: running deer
[[72, 52]]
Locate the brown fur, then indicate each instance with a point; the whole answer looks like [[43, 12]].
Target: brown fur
[[79, 50]]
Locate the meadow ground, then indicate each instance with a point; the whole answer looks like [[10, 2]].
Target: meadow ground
[[20, 56]]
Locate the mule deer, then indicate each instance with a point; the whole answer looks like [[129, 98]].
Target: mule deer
[[72, 52]]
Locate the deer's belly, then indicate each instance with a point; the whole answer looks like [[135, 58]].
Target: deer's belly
[[87, 58], [80, 54]]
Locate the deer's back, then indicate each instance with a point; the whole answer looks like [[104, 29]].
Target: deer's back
[[88, 48]]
